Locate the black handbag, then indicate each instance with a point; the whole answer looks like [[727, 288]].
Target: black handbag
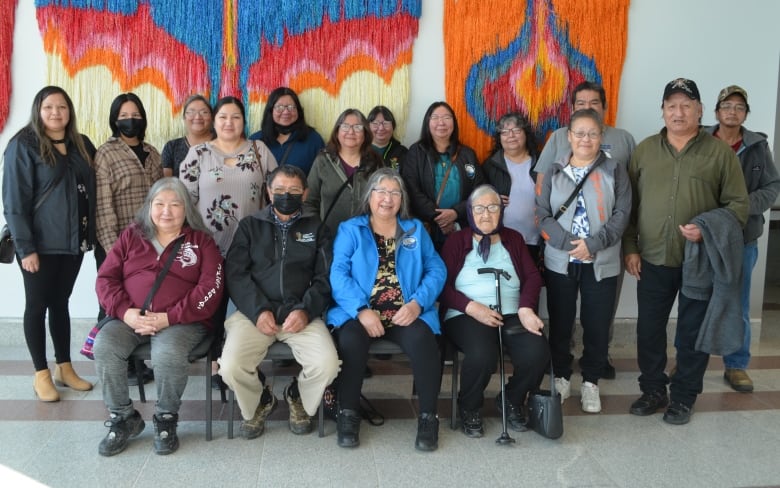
[[7, 248], [545, 412]]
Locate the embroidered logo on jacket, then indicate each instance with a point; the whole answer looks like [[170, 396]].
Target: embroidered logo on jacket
[[307, 237], [187, 256]]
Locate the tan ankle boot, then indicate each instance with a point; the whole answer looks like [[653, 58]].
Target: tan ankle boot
[[44, 387], [64, 375]]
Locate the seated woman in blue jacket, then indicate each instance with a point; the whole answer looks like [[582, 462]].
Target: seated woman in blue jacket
[[386, 277]]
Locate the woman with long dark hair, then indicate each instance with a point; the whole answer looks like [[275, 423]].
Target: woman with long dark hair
[[49, 204]]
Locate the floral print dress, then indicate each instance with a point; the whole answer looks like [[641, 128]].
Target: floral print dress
[[226, 193]]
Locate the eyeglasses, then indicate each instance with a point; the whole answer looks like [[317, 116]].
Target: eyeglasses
[[345, 127], [581, 134], [480, 209], [385, 123], [382, 193], [737, 107], [281, 108], [443, 118], [514, 130], [191, 114]]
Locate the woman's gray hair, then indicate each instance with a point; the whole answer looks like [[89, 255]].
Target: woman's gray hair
[[483, 190], [192, 217], [374, 181]]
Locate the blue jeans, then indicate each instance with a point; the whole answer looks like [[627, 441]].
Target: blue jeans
[[741, 358]]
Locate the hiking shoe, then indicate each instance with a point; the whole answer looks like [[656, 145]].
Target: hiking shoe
[[165, 439], [254, 427], [563, 386], [516, 417], [649, 403], [590, 399], [427, 432], [348, 428], [471, 422], [677, 414], [738, 380], [300, 422], [120, 432]]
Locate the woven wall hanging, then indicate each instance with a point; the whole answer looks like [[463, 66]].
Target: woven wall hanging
[[7, 16], [526, 56], [335, 54]]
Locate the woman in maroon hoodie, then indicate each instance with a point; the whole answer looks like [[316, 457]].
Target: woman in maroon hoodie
[[174, 322]]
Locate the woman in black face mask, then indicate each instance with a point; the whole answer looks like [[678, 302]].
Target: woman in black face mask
[[126, 168]]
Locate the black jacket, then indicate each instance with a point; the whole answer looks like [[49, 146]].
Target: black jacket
[[393, 154], [268, 271], [54, 227], [417, 171], [497, 174]]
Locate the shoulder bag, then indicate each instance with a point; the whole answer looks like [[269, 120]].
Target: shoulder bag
[[89, 342], [545, 412]]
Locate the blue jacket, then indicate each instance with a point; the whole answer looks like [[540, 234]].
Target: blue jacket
[[421, 272]]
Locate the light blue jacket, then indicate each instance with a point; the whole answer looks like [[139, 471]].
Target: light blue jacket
[[421, 272]]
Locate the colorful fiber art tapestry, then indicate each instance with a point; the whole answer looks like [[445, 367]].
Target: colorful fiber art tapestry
[[334, 53], [509, 55], [7, 16]]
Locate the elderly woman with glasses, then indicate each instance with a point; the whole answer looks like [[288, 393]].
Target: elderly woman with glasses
[[510, 169], [469, 304], [386, 277], [338, 177], [285, 131], [582, 229]]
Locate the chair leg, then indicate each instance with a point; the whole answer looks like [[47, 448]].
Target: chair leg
[[454, 393], [231, 412], [209, 407], [139, 374], [321, 418]]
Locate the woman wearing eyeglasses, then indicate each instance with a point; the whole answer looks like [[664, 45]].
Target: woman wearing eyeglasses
[[386, 277], [198, 128], [382, 123], [285, 132], [510, 169], [339, 174], [582, 230], [469, 304], [440, 173]]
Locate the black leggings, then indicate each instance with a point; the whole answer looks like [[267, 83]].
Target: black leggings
[[49, 290], [416, 340], [530, 356]]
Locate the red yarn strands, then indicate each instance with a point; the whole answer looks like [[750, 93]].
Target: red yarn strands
[[7, 17]]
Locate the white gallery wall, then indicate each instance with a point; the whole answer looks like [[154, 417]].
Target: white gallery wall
[[714, 42]]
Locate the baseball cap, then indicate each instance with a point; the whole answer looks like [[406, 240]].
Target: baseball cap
[[682, 85], [732, 90]]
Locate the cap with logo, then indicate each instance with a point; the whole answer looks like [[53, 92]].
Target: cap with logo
[[684, 86]]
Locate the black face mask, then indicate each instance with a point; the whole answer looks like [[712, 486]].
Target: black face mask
[[287, 203], [131, 127]]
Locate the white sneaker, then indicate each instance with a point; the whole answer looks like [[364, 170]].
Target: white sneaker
[[563, 386], [591, 402]]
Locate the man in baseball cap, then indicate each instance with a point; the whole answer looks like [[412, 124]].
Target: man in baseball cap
[[675, 186], [763, 185]]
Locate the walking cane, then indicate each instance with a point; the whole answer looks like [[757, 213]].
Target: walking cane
[[498, 273]]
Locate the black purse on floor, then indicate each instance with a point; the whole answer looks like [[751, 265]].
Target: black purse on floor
[[545, 412]]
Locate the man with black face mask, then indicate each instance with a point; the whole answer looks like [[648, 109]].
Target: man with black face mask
[[277, 275]]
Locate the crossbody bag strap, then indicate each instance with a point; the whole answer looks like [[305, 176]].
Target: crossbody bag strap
[[161, 275], [263, 173], [446, 177], [286, 153], [577, 189]]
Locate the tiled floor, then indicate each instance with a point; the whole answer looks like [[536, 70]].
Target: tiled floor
[[733, 439]]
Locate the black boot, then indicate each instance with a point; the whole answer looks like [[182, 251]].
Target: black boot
[[427, 432], [120, 432], [348, 428], [165, 439]]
